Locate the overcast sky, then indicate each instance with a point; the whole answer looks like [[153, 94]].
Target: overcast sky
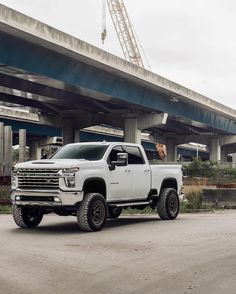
[[191, 42]]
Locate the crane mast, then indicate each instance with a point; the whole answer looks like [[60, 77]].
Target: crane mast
[[125, 32]]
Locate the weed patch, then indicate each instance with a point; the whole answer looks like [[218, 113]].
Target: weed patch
[[5, 209]]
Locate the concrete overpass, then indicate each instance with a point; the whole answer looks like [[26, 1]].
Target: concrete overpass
[[19, 119], [14, 124], [21, 127], [75, 85]]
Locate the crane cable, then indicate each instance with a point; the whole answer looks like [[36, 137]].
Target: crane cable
[[141, 47], [104, 16]]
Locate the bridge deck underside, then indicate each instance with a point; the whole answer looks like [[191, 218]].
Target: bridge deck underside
[[56, 84]]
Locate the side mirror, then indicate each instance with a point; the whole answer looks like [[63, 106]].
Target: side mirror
[[122, 160]]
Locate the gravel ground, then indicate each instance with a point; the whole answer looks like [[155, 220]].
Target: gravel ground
[[196, 253]]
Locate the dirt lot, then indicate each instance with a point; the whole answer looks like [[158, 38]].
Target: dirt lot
[[194, 254]]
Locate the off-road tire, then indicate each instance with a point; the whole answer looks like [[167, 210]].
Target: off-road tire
[[26, 217], [168, 204], [92, 212], [114, 212]]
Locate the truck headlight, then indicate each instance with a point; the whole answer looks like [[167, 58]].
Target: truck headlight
[[70, 170], [14, 182], [70, 182]]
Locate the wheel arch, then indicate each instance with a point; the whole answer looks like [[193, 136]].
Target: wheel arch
[[169, 183], [95, 185]]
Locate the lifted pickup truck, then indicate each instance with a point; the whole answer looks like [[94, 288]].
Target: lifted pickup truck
[[93, 181]]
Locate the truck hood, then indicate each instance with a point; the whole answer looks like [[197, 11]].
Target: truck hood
[[52, 163]]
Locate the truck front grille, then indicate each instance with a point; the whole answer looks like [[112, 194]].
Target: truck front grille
[[38, 178]]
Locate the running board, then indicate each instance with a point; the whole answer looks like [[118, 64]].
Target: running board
[[130, 204]]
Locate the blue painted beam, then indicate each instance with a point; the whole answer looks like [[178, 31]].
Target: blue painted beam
[[32, 128], [33, 58]]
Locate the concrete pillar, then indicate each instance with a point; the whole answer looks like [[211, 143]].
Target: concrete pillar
[[77, 136], [224, 154], [171, 150], [131, 132], [7, 150], [22, 145], [234, 160], [68, 135], [1, 148], [35, 150], [215, 149]]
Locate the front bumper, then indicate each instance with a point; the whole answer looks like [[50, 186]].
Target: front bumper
[[41, 198]]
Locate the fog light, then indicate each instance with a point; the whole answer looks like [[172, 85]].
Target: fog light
[[57, 199], [17, 198]]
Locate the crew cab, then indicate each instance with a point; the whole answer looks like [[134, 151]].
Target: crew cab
[[93, 181]]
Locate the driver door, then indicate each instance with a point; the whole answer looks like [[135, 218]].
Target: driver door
[[120, 179]]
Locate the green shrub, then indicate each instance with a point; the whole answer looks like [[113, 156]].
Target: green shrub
[[5, 209], [4, 192], [198, 168], [211, 170]]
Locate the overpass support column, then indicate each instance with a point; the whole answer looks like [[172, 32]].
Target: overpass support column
[[171, 149], [7, 150], [68, 135], [35, 150], [22, 145], [215, 150], [224, 154], [1, 148], [234, 160], [77, 136], [131, 133]]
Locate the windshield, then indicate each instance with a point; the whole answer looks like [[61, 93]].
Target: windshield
[[87, 152]]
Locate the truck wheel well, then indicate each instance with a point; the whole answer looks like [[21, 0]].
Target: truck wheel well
[[169, 183], [95, 186]]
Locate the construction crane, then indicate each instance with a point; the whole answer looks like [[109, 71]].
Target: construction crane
[[127, 41], [123, 29]]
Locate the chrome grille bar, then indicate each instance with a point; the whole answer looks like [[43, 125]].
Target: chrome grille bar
[[38, 178]]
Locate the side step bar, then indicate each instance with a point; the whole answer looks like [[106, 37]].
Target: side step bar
[[130, 204]]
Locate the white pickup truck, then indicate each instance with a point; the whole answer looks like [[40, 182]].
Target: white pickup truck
[[93, 181]]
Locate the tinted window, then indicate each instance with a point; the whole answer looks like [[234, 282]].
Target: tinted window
[[134, 155], [113, 154], [88, 152]]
